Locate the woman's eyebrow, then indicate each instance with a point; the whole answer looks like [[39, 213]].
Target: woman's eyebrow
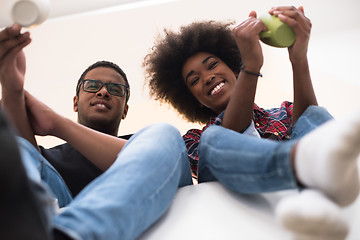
[[192, 71], [188, 75], [206, 59]]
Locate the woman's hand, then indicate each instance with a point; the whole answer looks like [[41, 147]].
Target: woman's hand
[[247, 37], [301, 25]]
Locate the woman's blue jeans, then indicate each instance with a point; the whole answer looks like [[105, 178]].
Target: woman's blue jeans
[[250, 165], [126, 199]]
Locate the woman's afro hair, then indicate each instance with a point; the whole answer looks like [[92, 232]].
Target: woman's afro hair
[[163, 65]]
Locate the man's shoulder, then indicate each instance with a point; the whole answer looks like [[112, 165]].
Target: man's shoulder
[[126, 137], [57, 152], [60, 147], [67, 146]]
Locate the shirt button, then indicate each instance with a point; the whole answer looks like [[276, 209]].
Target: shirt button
[[276, 133]]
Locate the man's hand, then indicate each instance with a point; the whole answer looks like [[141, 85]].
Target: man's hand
[[12, 59], [12, 75]]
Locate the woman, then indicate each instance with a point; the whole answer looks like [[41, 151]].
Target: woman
[[207, 71]]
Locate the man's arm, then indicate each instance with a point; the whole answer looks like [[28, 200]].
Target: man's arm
[[99, 148], [30, 116], [12, 74]]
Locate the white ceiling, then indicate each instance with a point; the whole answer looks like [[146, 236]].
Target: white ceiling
[[61, 8], [63, 47]]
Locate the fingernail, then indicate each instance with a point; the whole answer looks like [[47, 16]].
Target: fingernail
[[16, 27]]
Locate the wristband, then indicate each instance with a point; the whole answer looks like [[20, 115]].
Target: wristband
[[251, 73]]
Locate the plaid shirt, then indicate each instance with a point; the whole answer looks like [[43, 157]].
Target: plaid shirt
[[274, 123]]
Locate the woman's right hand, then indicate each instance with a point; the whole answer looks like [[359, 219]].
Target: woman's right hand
[[247, 37]]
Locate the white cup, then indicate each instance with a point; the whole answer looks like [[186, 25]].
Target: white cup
[[29, 13]]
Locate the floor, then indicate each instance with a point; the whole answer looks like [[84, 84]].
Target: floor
[[209, 211]]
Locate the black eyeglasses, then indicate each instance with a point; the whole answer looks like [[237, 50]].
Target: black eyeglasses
[[93, 86]]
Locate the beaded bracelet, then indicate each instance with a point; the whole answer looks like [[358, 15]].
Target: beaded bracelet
[[251, 73]]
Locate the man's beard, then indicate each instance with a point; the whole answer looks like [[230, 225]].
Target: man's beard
[[105, 126]]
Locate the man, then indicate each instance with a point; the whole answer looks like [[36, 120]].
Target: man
[[134, 191], [102, 94]]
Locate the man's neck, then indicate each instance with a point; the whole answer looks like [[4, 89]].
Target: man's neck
[[104, 128], [113, 132]]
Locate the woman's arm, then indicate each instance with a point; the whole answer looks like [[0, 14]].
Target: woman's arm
[[304, 94], [239, 111]]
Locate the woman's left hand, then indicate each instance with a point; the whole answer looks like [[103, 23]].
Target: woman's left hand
[[301, 25]]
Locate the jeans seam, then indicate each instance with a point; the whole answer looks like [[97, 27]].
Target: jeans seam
[[167, 179]]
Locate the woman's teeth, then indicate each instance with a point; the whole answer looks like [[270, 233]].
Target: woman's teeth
[[217, 88]]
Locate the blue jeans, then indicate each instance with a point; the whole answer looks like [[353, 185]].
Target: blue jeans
[[40, 171], [250, 165], [134, 192]]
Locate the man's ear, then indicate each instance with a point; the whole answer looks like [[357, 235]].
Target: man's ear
[[126, 109], [75, 100]]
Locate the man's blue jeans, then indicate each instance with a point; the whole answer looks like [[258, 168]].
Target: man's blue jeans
[[250, 165], [131, 195]]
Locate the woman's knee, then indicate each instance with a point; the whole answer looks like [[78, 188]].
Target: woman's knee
[[211, 133], [317, 112]]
